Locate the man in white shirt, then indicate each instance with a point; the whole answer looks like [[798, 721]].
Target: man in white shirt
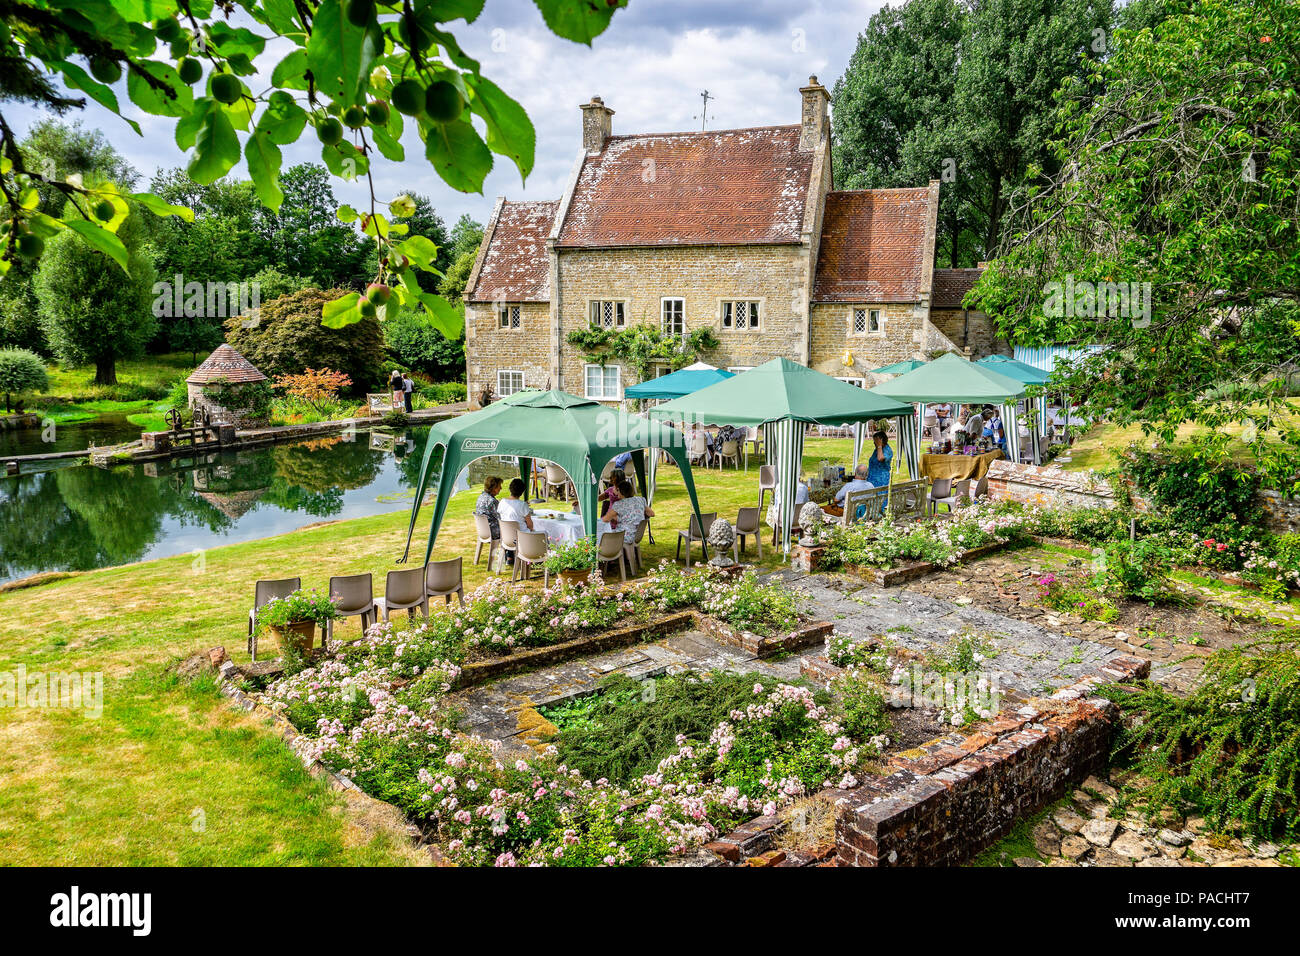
[[859, 483], [515, 508]]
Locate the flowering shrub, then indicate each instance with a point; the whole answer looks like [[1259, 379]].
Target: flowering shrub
[[1065, 596], [578, 555], [886, 543], [843, 651], [296, 608], [740, 601]]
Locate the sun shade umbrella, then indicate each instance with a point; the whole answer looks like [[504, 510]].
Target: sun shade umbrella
[[783, 397], [1030, 375], [951, 378], [577, 434], [676, 384], [898, 368]]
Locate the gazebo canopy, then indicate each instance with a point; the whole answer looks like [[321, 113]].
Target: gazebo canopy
[[951, 378], [575, 433], [781, 390], [676, 384], [898, 368], [1014, 368]]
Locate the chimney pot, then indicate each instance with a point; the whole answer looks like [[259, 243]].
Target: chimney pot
[[815, 118]]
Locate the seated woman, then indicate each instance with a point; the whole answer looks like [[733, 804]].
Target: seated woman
[[515, 508], [487, 505], [610, 494], [629, 509]]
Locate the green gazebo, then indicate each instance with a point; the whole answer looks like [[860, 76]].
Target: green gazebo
[[575, 433]]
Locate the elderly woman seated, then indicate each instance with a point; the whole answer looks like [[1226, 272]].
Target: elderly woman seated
[[859, 483]]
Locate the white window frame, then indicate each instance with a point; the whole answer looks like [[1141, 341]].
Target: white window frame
[[727, 310], [510, 317], [501, 392], [618, 306], [604, 394], [850, 380], [663, 314], [868, 314]]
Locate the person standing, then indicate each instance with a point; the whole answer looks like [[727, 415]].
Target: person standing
[[396, 388], [882, 457], [408, 391]]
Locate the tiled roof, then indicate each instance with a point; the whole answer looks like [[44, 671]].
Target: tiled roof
[[872, 246], [225, 363], [515, 266], [951, 286], [727, 187]]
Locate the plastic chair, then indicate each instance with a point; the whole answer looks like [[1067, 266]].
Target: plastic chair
[[354, 596], [509, 543], [404, 591], [484, 537], [730, 451], [263, 591], [610, 551], [940, 494], [697, 448], [695, 533], [766, 483], [982, 488], [443, 579], [747, 523], [632, 545], [532, 548], [556, 478]]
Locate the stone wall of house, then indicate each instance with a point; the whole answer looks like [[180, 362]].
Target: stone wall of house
[[955, 330], [832, 334], [240, 416], [490, 348], [1279, 513], [704, 276]]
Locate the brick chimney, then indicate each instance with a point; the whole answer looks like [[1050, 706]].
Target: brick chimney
[[596, 124], [815, 121]]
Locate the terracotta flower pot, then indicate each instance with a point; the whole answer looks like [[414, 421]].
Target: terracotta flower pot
[[300, 634], [572, 576]]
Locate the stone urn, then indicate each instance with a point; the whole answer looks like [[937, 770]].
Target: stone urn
[[721, 539], [812, 521]]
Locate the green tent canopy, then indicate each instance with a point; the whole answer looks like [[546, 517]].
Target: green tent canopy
[[784, 397], [577, 434], [951, 378], [675, 384], [898, 368], [1014, 368]]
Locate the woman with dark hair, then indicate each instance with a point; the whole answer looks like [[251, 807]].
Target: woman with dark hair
[[487, 504], [881, 460], [629, 509]]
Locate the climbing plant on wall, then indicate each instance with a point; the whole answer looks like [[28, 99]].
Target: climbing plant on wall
[[642, 346]]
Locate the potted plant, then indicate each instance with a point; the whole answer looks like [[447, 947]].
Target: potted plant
[[572, 562], [293, 619]]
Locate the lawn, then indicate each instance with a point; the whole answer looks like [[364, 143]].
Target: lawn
[[156, 373], [127, 788]]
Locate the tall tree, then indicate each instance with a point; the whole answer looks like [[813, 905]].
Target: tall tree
[[466, 236], [306, 238], [1170, 236], [91, 311], [960, 92]]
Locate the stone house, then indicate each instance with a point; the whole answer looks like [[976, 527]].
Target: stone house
[[737, 230], [226, 372]]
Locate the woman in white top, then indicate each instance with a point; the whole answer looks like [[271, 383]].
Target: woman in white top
[[515, 508], [629, 509]]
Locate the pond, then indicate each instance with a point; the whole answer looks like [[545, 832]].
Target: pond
[[107, 429], [82, 517]]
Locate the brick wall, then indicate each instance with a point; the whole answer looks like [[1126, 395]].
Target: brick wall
[[489, 348], [702, 275], [1048, 486], [899, 338]]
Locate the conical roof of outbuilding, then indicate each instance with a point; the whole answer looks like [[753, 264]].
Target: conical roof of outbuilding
[[225, 363]]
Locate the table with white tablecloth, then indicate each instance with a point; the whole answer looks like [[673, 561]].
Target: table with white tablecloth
[[565, 528]]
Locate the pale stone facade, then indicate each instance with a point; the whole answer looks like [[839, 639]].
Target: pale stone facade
[[710, 222]]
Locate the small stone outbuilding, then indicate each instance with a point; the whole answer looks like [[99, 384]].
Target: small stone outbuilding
[[225, 365]]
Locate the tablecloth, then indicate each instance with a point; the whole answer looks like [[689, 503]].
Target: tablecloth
[[566, 528], [958, 466]]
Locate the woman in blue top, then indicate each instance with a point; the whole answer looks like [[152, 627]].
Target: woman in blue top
[[878, 464]]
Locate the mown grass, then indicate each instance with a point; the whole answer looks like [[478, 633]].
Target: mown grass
[[154, 372], [122, 789]]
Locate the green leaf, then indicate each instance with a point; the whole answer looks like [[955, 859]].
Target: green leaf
[[446, 319], [389, 146], [341, 312], [346, 214], [230, 41], [216, 149], [173, 99], [510, 131], [283, 119], [578, 20], [187, 127], [459, 155], [79, 79], [101, 240], [264, 158], [160, 207], [444, 10], [345, 161], [339, 54], [290, 72], [421, 251]]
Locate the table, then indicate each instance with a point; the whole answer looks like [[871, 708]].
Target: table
[[563, 528], [958, 467]]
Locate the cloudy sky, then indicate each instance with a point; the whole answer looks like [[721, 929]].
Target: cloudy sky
[[649, 67]]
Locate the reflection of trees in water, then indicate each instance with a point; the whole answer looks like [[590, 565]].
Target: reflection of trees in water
[[327, 464], [38, 531]]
